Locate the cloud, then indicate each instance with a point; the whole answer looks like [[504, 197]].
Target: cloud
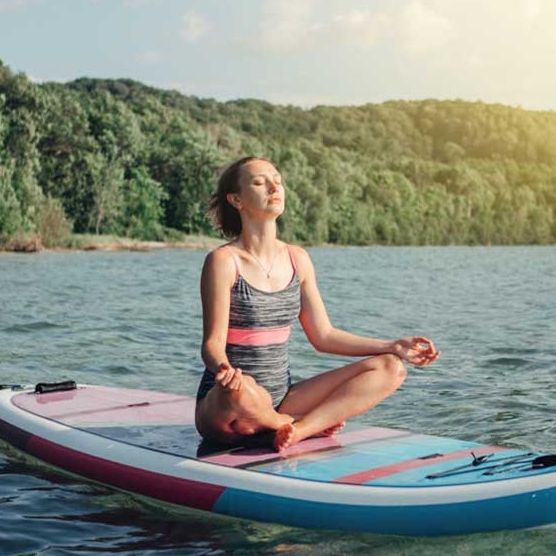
[[194, 26], [356, 27], [17, 5], [531, 9], [150, 57], [303, 25], [285, 25], [140, 2], [421, 29]]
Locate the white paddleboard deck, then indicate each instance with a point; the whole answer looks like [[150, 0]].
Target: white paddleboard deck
[[371, 479]]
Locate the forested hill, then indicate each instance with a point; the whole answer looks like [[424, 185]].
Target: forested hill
[[116, 156]]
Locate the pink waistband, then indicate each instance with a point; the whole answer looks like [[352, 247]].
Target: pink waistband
[[254, 337]]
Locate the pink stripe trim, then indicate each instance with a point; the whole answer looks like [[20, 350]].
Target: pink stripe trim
[[98, 405], [292, 257], [263, 455], [386, 470], [235, 258], [260, 337]]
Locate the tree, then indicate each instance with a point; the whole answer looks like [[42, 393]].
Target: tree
[[107, 184], [52, 225], [21, 110], [116, 156], [143, 210], [10, 209], [185, 164]]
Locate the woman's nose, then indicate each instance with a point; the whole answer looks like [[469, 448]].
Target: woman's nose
[[273, 185]]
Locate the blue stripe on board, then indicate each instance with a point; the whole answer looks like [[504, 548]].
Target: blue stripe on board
[[365, 456], [509, 512], [472, 474]]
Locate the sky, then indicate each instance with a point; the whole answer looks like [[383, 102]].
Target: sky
[[300, 52]]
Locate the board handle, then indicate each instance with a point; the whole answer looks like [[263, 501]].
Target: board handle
[[45, 387]]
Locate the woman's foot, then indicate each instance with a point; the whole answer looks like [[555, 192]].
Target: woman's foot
[[331, 431], [284, 437], [247, 424], [288, 435]]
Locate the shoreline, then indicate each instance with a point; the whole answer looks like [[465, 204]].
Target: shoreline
[[33, 245], [88, 242]]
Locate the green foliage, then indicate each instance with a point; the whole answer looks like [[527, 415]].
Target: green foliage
[[107, 177], [53, 227], [10, 209], [20, 112], [118, 157], [143, 210], [184, 161]]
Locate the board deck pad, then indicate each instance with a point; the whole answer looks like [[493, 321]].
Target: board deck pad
[[378, 456]]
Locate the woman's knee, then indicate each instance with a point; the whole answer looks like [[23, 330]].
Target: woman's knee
[[393, 368], [253, 393]]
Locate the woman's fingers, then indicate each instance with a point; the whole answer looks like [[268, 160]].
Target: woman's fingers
[[421, 341], [236, 380], [427, 358], [224, 376], [229, 378], [422, 351], [236, 383]]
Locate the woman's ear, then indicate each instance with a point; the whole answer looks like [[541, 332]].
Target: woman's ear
[[234, 200]]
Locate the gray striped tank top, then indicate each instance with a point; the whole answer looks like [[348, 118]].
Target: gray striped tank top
[[258, 333]]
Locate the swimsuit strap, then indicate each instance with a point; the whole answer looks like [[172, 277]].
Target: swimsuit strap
[[234, 257], [292, 257]]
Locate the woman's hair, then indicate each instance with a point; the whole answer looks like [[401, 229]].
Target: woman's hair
[[222, 214]]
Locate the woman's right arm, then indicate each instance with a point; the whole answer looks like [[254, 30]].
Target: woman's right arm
[[217, 279]]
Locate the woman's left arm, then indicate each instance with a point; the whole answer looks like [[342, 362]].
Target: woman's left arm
[[324, 337]]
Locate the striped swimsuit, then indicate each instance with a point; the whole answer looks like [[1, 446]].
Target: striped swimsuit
[[258, 333]]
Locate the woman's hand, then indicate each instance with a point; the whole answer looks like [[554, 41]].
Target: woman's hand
[[228, 377], [416, 350]]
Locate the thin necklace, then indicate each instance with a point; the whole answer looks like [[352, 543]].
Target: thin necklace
[[267, 270]]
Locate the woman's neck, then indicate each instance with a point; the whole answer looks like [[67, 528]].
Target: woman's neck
[[260, 240]]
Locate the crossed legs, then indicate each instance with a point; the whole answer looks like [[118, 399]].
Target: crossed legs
[[318, 405], [323, 402], [226, 416]]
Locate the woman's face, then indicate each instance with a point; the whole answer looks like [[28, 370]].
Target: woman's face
[[260, 189]]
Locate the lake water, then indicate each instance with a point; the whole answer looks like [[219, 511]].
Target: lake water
[[134, 319]]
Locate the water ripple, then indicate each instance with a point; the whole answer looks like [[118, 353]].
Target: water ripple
[[134, 320], [32, 327], [509, 362]]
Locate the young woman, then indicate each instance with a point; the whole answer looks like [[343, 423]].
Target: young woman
[[252, 290]]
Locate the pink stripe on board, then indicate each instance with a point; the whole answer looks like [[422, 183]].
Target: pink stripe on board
[[85, 399], [386, 470], [247, 457], [175, 490], [99, 406], [261, 337], [14, 435]]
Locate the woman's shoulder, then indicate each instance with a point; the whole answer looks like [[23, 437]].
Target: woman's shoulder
[[296, 250], [221, 260], [221, 252], [301, 258]]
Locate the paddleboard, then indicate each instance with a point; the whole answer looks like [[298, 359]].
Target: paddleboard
[[371, 479]]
